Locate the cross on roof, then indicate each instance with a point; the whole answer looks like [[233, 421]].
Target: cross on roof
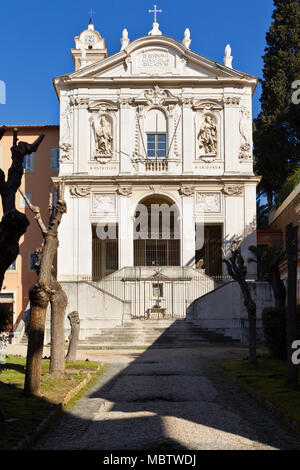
[[155, 11], [91, 13]]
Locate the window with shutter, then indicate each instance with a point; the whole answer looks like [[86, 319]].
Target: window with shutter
[[54, 158], [28, 162]]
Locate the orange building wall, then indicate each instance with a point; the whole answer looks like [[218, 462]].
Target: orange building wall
[[38, 184]]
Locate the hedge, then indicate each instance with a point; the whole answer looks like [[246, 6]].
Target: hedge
[[274, 327]]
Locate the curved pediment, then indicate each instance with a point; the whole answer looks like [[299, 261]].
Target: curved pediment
[[158, 56]]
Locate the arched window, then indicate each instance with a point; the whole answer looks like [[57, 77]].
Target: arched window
[[156, 133]]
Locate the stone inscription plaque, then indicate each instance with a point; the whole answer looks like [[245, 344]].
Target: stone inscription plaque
[[155, 59]]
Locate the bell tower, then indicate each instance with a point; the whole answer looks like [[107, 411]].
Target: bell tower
[[89, 47]]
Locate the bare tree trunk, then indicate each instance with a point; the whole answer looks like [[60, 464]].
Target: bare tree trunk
[[74, 336], [59, 304], [291, 317], [45, 292], [14, 223], [237, 270], [39, 301]]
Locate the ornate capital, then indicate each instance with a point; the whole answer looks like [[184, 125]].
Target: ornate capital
[[80, 191], [125, 102], [125, 190], [187, 102], [79, 102], [232, 101], [233, 190], [187, 190]]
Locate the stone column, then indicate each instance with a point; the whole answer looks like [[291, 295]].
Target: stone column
[[75, 235], [188, 137], [125, 227], [231, 134], [125, 139], [85, 249], [83, 130], [188, 227]]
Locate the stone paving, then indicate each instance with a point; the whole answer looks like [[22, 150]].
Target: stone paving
[[167, 399]]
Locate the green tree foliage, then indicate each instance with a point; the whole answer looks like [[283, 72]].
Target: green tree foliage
[[277, 128], [290, 184]]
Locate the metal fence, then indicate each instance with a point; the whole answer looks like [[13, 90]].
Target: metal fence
[[173, 295]]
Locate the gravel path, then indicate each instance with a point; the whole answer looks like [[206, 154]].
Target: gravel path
[[168, 399]]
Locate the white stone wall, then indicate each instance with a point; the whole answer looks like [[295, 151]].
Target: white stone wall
[[223, 310], [188, 93]]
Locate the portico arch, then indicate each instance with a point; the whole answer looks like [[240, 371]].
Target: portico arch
[[156, 232]]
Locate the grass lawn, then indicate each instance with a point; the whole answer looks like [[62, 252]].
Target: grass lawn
[[19, 415], [268, 379]]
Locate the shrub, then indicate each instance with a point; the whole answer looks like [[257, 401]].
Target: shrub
[[274, 327]]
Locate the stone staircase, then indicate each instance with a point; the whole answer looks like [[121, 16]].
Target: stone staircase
[[155, 333]]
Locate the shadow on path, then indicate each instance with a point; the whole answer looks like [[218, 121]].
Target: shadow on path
[[169, 399]]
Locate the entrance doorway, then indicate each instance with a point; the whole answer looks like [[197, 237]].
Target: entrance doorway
[[157, 232], [209, 257], [105, 254]]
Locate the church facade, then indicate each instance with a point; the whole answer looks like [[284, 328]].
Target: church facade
[[156, 162]]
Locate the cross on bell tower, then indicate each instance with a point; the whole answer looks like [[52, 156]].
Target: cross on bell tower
[[91, 13]]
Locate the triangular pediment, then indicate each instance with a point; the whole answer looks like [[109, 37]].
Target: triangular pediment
[[158, 57]]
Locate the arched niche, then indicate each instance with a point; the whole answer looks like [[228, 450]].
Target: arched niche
[[156, 133], [102, 135], [157, 232], [208, 135]]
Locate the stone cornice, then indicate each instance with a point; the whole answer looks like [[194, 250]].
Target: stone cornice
[[155, 179]]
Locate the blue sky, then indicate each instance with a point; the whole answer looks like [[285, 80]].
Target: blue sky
[[36, 38]]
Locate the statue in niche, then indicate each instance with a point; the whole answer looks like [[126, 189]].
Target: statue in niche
[[103, 136], [208, 136]]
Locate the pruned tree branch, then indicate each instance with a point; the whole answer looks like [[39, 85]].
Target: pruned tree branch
[[37, 213]]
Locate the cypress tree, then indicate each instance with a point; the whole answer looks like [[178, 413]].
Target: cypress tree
[[277, 128]]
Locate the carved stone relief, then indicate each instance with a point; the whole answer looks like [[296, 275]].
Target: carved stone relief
[[155, 188], [208, 202], [80, 191], [245, 149], [233, 190], [186, 190], [208, 136], [156, 96], [205, 105], [103, 136], [65, 145], [125, 190], [102, 202]]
